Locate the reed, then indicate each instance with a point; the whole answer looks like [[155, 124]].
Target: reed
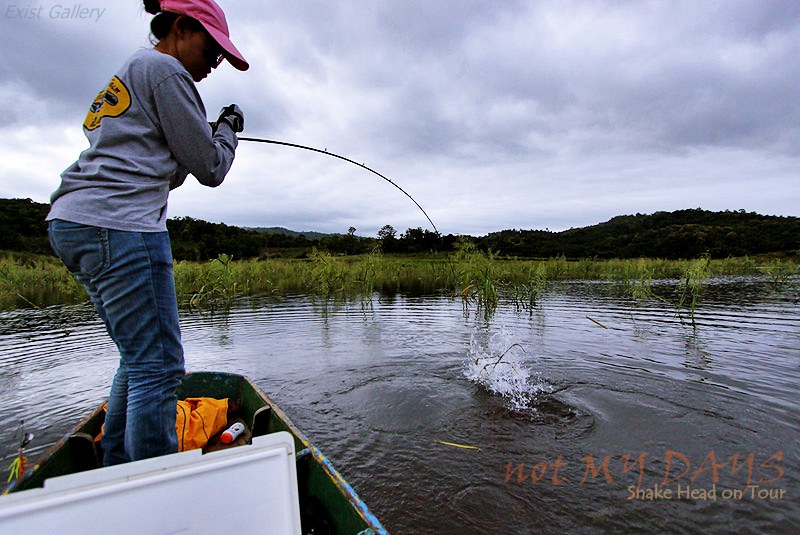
[[691, 285], [28, 280], [687, 293], [215, 287], [525, 294], [780, 272], [480, 279]]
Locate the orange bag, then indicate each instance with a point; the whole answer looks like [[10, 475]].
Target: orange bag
[[199, 419], [196, 421]]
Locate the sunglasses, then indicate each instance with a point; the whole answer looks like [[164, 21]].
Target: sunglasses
[[213, 55]]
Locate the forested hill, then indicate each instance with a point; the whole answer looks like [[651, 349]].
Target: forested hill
[[309, 235], [680, 234]]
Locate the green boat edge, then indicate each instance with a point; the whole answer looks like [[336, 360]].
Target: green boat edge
[[320, 486]]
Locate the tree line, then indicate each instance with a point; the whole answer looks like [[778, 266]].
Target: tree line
[[679, 234], [673, 235]]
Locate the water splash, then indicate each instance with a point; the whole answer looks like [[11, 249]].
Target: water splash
[[498, 365]]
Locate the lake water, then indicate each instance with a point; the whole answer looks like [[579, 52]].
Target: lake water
[[574, 406]]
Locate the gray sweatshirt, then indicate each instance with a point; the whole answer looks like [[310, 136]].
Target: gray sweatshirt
[[147, 130]]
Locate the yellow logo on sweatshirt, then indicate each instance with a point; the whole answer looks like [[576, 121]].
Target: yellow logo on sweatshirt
[[112, 101]]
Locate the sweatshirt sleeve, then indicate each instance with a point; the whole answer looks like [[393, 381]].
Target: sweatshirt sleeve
[[178, 178], [183, 121]]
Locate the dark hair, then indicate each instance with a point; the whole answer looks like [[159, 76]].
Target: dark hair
[[161, 24], [152, 6]]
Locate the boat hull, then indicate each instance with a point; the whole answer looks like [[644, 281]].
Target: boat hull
[[328, 503]]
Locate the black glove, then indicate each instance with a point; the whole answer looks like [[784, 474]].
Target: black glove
[[233, 116]]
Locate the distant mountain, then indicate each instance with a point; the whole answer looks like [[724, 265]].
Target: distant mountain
[[679, 234], [310, 235]]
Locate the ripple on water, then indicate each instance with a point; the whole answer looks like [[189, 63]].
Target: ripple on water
[[379, 388]]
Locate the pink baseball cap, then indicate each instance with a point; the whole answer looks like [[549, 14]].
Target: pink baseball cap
[[210, 15]]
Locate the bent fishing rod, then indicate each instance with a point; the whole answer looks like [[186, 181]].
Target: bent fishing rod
[[295, 145]]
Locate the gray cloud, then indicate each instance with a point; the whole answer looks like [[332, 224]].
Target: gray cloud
[[492, 114], [59, 63]]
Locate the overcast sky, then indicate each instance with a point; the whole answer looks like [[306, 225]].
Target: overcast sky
[[492, 114]]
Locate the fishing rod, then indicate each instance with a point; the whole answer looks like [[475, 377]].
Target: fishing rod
[[295, 145]]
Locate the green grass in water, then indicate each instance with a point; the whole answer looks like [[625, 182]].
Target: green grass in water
[[478, 278]]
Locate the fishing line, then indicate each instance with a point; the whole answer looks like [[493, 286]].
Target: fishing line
[[295, 145]]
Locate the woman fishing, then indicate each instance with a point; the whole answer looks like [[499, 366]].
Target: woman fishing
[[147, 131]]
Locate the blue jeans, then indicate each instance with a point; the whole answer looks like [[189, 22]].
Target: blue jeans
[[128, 276]]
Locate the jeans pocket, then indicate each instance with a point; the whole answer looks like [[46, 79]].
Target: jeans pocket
[[83, 249]]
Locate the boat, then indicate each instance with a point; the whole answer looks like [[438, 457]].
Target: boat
[[245, 488]]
